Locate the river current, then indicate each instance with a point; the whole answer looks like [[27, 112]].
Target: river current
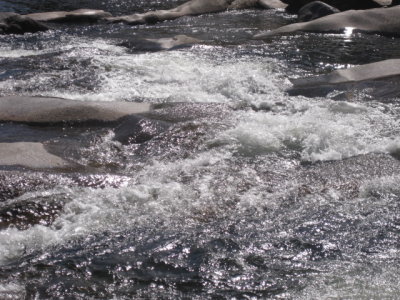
[[257, 195]]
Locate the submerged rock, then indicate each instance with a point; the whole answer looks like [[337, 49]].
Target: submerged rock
[[24, 214], [80, 15], [379, 20], [315, 10], [30, 155], [137, 130], [153, 45], [11, 23]]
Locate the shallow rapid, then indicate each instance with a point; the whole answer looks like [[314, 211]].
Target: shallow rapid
[[248, 194]]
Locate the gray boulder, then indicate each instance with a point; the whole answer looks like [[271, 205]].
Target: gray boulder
[[293, 6], [376, 75], [377, 70], [315, 10], [80, 15], [11, 23], [194, 7], [378, 20]]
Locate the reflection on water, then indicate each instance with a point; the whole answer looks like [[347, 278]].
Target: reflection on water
[[247, 193]]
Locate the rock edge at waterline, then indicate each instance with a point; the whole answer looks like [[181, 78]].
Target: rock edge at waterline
[[377, 70], [53, 110], [378, 20]]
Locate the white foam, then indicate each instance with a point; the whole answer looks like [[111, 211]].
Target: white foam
[[381, 186], [11, 291], [319, 129], [182, 76], [355, 281], [202, 74], [158, 195], [8, 52]]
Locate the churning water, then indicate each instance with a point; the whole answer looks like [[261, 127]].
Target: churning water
[[257, 194]]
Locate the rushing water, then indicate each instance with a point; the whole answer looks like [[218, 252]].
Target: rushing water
[[251, 193]]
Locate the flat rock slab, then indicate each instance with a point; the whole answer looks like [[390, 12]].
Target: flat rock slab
[[80, 15], [53, 110], [373, 71], [29, 155], [195, 7], [378, 80], [379, 20]]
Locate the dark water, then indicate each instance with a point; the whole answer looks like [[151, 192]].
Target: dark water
[[248, 194]]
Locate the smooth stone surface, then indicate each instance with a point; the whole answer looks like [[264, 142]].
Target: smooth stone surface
[[176, 42], [30, 155], [80, 15], [53, 110], [11, 23], [315, 10], [379, 20], [272, 4], [194, 7], [373, 71]]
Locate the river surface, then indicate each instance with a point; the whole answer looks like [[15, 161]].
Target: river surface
[[257, 195]]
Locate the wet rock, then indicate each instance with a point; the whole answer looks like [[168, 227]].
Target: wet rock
[[30, 155], [11, 23], [271, 4], [193, 7], [295, 5], [16, 183], [54, 110], [364, 73], [379, 20], [137, 130], [315, 10], [80, 15], [25, 214], [153, 45]]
